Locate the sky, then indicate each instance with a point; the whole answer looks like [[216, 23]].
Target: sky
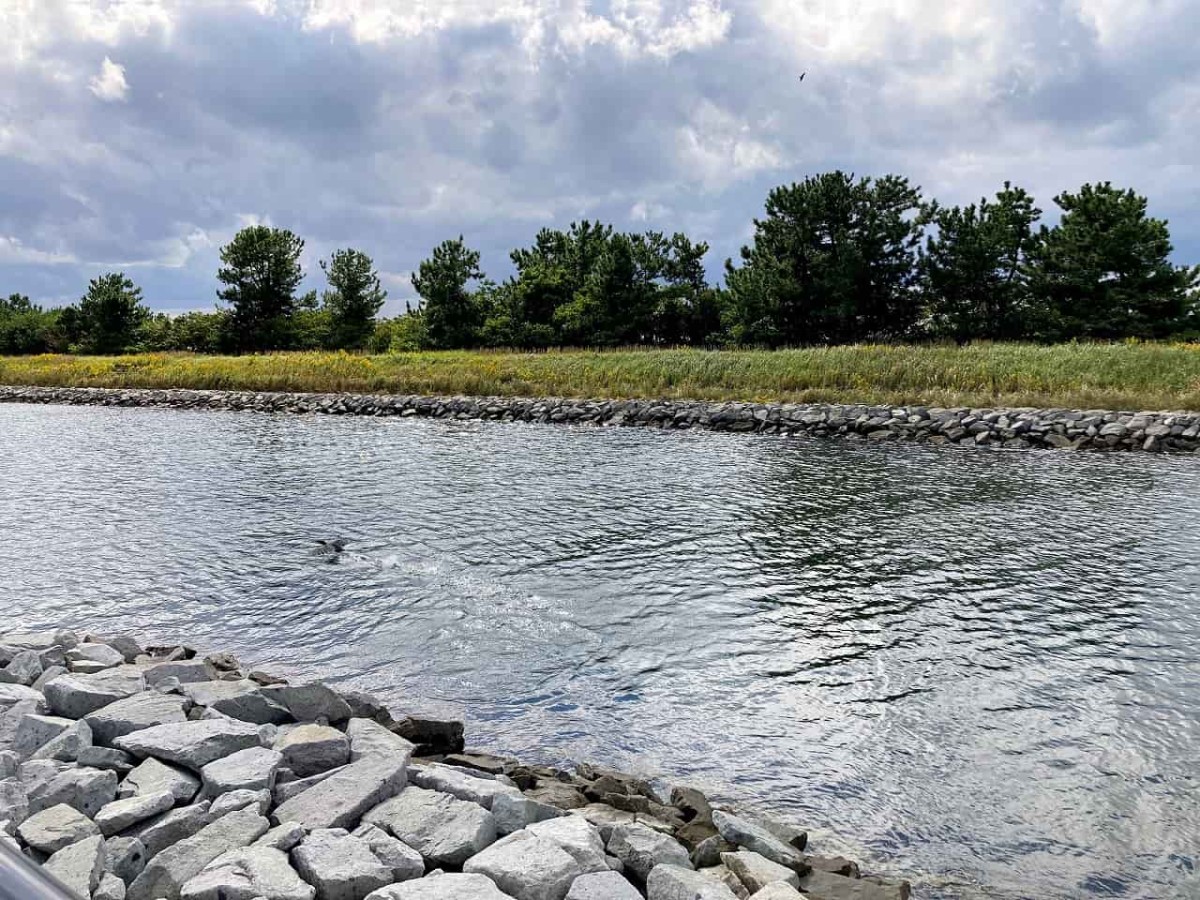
[[139, 135]]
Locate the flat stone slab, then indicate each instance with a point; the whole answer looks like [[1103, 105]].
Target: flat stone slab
[[142, 710], [54, 828], [151, 775], [310, 702], [121, 814], [239, 699], [340, 866], [828, 886], [755, 837], [249, 873], [602, 886], [185, 671], [171, 827], [446, 831], [191, 744], [101, 654], [310, 749], [464, 787], [367, 736], [341, 799], [527, 867], [755, 871], [75, 695], [79, 866], [251, 769], [85, 789], [167, 873], [442, 887], [668, 882]]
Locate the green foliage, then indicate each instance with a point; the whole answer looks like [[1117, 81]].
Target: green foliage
[[26, 328], [354, 298], [453, 314], [110, 314], [261, 271], [971, 268], [832, 262], [1105, 272]]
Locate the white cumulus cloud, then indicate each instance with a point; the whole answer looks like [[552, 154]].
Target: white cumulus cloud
[[109, 83]]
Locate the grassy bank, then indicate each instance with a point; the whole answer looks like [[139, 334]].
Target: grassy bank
[[1146, 376]]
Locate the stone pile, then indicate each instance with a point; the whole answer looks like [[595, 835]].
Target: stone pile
[[151, 773], [1009, 429]]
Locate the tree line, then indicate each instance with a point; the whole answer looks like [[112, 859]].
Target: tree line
[[835, 259]]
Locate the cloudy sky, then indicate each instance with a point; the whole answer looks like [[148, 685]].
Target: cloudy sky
[[141, 134]]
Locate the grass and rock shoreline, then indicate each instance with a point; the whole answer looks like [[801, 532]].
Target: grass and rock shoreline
[[155, 773]]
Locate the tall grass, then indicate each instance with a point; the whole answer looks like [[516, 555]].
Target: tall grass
[[1086, 376]]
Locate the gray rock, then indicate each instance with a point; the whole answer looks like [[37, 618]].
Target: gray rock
[[556, 793], [232, 800], [34, 732], [284, 791], [640, 849], [106, 758], [85, 789], [405, 862], [446, 831], [282, 837], [239, 700], [828, 886], [602, 886], [251, 769], [367, 737], [527, 867], [756, 837], [191, 744], [248, 873], [170, 828], [79, 865], [151, 775], [720, 873], [14, 800], [102, 655], [341, 799], [708, 851], [780, 891], [184, 671], [668, 882], [110, 888], [432, 735], [464, 787], [514, 812], [9, 763], [129, 648], [68, 744], [124, 857], [75, 695], [605, 817], [442, 887], [756, 871], [40, 640], [169, 870], [57, 827], [576, 836], [340, 866], [11, 694], [49, 673], [309, 749], [309, 702], [121, 814], [142, 710], [25, 668]]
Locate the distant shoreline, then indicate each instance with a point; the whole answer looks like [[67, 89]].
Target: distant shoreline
[[1010, 429]]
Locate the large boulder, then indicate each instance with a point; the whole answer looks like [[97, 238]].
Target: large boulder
[[641, 849], [57, 827], [577, 837], [171, 827], [151, 776], [85, 789], [251, 769], [248, 873], [34, 732], [405, 862], [340, 866], [756, 837], [755, 871], [602, 886], [167, 873], [191, 744], [367, 737], [143, 710], [668, 882], [68, 744], [527, 867], [239, 700], [340, 800], [285, 790], [431, 736], [442, 887], [446, 831], [514, 812], [11, 694], [458, 784], [124, 857], [121, 814], [93, 657], [75, 695], [25, 668], [110, 888], [309, 749], [79, 866], [309, 702], [184, 671]]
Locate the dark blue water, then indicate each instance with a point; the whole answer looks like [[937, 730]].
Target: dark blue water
[[976, 669]]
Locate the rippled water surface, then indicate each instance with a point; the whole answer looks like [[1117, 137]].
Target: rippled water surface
[[976, 669]]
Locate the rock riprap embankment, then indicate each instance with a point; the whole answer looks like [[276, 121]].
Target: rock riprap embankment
[[154, 773], [1007, 429]]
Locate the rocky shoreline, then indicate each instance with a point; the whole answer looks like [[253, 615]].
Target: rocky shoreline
[[155, 773], [1014, 429]]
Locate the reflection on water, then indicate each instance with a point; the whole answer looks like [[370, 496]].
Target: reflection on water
[[977, 667]]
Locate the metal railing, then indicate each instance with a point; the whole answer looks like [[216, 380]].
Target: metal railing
[[23, 879]]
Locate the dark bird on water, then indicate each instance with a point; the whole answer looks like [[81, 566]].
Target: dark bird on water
[[337, 545]]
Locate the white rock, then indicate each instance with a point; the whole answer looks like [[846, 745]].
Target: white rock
[[442, 887], [251, 769], [446, 831], [605, 817], [142, 710], [577, 837], [527, 867], [11, 694], [667, 882], [602, 886], [755, 871], [233, 800], [151, 776], [191, 744], [405, 862], [246, 874], [110, 888], [282, 837], [165, 874], [464, 787], [340, 800], [641, 849], [367, 736], [780, 891], [101, 654], [121, 814], [309, 749], [79, 866], [57, 827], [340, 866], [76, 695], [721, 874], [514, 812]]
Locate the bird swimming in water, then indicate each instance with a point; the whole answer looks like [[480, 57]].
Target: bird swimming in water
[[336, 545]]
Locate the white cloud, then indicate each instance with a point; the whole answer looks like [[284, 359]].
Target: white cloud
[[110, 84], [12, 250]]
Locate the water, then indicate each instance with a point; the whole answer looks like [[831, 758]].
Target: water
[[978, 670]]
